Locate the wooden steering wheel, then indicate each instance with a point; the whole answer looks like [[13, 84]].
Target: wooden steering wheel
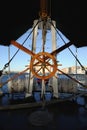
[[43, 65]]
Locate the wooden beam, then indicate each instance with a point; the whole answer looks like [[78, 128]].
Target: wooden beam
[[22, 48], [61, 48]]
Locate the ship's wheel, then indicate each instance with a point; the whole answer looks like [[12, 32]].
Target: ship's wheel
[[43, 65]]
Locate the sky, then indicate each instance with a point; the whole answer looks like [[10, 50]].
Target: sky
[[22, 59]]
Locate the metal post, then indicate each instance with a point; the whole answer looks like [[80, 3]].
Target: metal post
[[9, 58], [54, 46], [34, 37], [76, 63]]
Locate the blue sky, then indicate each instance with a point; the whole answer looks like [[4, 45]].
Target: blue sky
[[22, 59]]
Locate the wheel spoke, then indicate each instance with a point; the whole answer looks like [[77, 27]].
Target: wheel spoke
[[48, 69], [38, 70]]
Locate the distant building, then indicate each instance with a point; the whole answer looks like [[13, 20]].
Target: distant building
[[74, 70]]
